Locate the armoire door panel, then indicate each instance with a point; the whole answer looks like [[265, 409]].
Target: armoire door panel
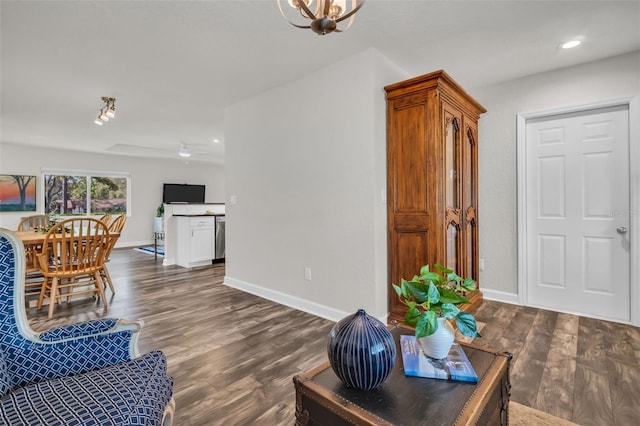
[[452, 156], [453, 179], [410, 249], [413, 248], [411, 222], [410, 246], [469, 198], [409, 159]]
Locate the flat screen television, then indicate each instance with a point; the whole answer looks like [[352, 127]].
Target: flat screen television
[[182, 193]]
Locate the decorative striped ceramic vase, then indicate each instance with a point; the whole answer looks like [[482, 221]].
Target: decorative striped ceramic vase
[[439, 343], [361, 351]]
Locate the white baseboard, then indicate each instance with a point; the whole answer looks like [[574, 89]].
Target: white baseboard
[[313, 308], [501, 296], [168, 261], [134, 244]]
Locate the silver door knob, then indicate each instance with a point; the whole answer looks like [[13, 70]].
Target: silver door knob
[[621, 230]]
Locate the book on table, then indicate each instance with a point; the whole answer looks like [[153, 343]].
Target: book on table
[[455, 366]]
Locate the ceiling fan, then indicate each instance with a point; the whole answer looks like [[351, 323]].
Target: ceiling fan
[[184, 152], [187, 150]]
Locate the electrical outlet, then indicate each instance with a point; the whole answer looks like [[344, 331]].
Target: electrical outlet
[[233, 199], [482, 264], [307, 273]]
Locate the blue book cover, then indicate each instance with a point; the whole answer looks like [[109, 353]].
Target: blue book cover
[[455, 366]]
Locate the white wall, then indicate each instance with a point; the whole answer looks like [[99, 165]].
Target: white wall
[[597, 81], [147, 177], [306, 162]]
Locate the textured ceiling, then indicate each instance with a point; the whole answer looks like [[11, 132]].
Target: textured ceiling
[[174, 65]]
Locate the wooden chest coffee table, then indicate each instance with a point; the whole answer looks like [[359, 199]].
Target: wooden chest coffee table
[[322, 399]]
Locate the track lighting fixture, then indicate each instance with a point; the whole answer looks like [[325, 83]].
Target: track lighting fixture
[[107, 111], [111, 112]]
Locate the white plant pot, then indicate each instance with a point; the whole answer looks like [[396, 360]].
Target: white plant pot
[[158, 224], [439, 343]]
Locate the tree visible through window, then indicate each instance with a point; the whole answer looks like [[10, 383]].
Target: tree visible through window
[[81, 195], [108, 195]]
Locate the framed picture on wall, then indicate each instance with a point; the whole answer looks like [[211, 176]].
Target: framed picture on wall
[[17, 193]]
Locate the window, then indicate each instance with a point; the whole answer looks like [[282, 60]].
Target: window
[[83, 193]]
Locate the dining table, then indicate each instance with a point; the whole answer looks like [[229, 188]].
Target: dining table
[[37, 237], [31, 237], [32, 241]]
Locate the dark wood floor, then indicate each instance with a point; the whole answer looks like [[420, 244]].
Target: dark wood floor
[[576, 368], [233, 355]]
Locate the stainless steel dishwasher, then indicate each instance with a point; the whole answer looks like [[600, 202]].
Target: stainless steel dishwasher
[[220, 230]]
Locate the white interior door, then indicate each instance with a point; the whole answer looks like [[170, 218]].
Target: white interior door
[[577, 213]]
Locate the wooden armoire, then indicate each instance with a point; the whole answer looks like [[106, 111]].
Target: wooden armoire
[[432, 180]]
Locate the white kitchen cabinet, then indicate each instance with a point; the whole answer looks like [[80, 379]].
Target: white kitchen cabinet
[[196, 239]]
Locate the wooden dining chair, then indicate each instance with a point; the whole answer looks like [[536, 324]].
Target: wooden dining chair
[[115, 229], [106, 219], [33, 277], [33, 222], [118, 223], [73, 253]]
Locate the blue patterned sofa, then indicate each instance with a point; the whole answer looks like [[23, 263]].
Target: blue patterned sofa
[[83, 374]]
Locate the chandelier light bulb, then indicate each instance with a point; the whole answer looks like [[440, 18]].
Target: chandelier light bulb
[[337, 8], [103, 116], [98, 121], [110, 113], [294, 3]]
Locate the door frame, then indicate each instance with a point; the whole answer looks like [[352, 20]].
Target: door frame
[[634, 193]]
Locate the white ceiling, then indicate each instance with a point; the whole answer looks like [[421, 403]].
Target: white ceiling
[[174, 65]]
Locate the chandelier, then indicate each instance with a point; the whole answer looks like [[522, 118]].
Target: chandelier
[[325, 15], [107, 111]]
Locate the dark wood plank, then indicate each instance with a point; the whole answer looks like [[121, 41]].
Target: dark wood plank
[[500, 317], [622, 341], [591, 351], [529, 362], [624, 395], [556, 395], [592, 402]]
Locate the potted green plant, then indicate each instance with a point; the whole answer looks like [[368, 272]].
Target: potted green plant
[[158, 224], [433, 298]]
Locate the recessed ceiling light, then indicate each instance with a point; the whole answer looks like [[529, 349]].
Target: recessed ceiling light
[[216, 140], [571, 44]]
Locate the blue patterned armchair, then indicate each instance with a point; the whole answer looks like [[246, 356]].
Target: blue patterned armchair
[[87, 373]]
